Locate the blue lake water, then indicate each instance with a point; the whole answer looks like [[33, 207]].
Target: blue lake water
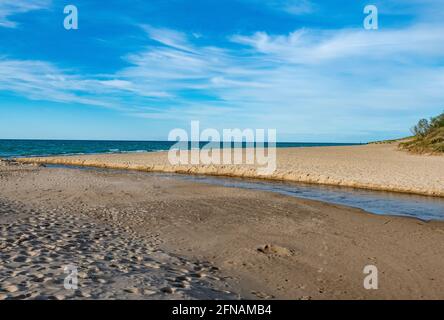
[[36, 148]]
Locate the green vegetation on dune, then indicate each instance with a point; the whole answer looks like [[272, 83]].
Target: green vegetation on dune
[[390, 141], [428, 136]]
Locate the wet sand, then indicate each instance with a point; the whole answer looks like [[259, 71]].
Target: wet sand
[[375, 166], [144, 236]]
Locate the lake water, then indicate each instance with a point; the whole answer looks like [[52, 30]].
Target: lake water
[[39, 148]]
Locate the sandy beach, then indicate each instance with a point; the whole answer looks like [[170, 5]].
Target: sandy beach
[[374, 166], [148, 236]]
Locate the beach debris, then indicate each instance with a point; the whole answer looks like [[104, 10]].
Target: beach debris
[[273, 249]]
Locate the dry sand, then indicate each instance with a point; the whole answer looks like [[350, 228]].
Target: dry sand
[[375, 166], [147, 236], [46, 226]]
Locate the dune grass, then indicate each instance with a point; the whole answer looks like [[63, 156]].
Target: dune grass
[[428, 136]]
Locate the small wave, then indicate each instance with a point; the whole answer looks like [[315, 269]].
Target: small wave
[[137, 151], [46, 155], [55, 154]]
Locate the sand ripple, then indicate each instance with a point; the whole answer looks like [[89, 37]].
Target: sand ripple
[[113, 263]]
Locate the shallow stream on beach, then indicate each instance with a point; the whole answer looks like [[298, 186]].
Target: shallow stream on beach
[[377, 202]]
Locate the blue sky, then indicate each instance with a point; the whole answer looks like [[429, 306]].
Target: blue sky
[[134, 70]]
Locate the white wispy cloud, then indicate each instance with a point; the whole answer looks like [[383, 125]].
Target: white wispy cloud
[[40, 80], [168, 37], [289, 81], [9, 8], [316, 46]]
